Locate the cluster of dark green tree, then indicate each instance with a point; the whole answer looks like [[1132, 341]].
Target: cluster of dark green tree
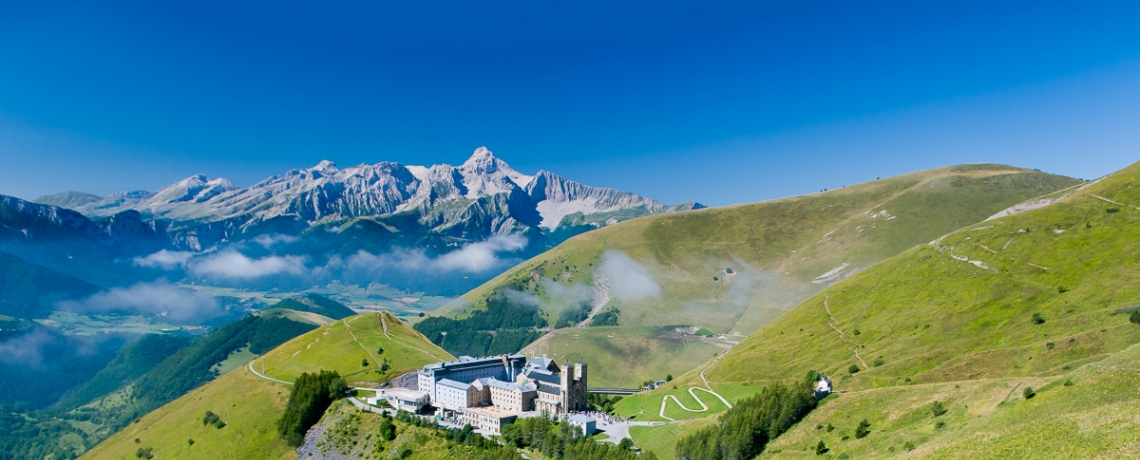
[[506, 326], [742, 432], [604, 403], [309, 397], [607, 317], [484, 449], [562, 440]]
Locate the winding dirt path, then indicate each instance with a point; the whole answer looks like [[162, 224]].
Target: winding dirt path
[[833, 324], [1114, 201], [692, 391]]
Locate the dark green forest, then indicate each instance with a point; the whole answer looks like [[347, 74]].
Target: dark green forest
[[515, 325], [309, 397], [742, 432]]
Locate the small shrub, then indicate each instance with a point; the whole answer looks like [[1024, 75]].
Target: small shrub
[[1068, 382], [1062, 289], [1134, 317], [669, 378], [856, 332], [210, 418], [380, 351], [1028, 393], [1112, 210], [939, 425], [1067, 367], [421, 314], [190, 442], [364, 362], [844, 438], [147, 453], [1038, 319], [820, 448], [819, 427], [830, 427], [878, 362], [863, 429], [843, 456], [854, 368], [908, 446], [937, 409], [1050, 345]]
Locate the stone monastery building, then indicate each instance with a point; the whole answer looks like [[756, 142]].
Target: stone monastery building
[[490, 392]]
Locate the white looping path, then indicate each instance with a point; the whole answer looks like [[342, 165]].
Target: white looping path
[[704, 408]]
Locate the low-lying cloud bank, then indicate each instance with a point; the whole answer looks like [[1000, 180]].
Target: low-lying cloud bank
[[229, 266], [160, 298], [476, 257]]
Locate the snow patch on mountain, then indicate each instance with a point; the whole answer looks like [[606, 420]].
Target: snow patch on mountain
[[553, 212]]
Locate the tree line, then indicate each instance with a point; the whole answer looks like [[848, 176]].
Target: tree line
[[742, 432], [310, 396]]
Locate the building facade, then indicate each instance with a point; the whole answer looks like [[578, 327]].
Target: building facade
[[510, 383]]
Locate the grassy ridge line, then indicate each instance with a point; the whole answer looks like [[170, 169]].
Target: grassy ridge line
[[336, 347], [953, 321], [775, 249], [933, 316]]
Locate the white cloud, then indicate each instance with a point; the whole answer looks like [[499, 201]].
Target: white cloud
[[480, 256], [158, 298], [234, 265], [629, 280], [268, 241], [476, 257], [26, 349], [164, 259]]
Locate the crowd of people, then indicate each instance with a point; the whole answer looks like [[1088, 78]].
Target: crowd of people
[[600, 417]]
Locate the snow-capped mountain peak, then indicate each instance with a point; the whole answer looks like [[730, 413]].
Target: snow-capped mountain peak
[[484, 174], [484, 196]]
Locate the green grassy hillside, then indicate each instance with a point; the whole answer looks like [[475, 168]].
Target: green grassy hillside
[[1038, 299], [736, 268], [250, 405]]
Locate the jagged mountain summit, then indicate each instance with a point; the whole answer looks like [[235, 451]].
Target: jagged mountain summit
[[482, 197]]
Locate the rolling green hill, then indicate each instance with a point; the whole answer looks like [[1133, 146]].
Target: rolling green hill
[[250, 405], [1039, 299], [736, 268], [320, 305]]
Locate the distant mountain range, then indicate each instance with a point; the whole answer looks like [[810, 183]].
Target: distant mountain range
[[320, 212], [482, 197]]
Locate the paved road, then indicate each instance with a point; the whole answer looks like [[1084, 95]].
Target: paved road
[[251, 369]]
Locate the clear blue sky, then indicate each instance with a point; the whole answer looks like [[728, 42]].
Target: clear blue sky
[[717, 102]]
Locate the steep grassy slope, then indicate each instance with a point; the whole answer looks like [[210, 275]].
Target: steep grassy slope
[[247, 404], [736, 268], [251, 405], [1032, 299]]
